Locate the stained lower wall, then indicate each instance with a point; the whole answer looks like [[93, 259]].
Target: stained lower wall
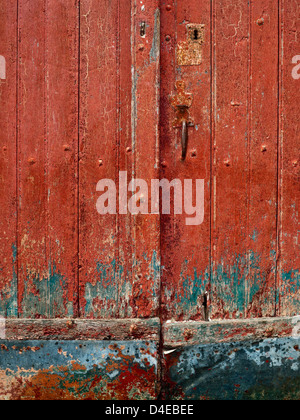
[[86, 370], [263, 370], [144, 360]]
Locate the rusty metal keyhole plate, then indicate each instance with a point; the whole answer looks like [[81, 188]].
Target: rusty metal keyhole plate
[[189, 53]]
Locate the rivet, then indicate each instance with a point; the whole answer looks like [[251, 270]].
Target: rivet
[[141, 47], [194, 153], [260, 21], [5, 148], [263, 148], [128, 150], [227, 162], [31, 161], [71, 324], [100, 162], [169, 7], [295, 163], [164, 164], [66, 148], [168, 38]]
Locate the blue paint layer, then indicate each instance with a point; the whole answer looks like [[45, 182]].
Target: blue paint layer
[[269, 369]]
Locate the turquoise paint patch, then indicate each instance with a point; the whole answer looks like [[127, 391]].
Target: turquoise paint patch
[[9, 294], [46, 296], [58, 285], [154, 271], [155, 50], [101, 299], [254, 236], [189, 296], [290, 291], [112, 293], [237, 284], [291, 282]]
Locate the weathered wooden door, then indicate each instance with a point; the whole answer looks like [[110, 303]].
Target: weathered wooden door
[[237, 60], [93, 90], [245, 144]]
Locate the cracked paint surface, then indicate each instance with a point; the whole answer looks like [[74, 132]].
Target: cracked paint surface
[[268, 369], [37, 370]]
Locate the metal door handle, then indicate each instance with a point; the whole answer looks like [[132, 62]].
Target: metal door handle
[[184, 139], [182, 102]]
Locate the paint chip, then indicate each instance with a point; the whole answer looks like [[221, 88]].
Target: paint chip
[[2, 68], [2, 329], [296, 329]]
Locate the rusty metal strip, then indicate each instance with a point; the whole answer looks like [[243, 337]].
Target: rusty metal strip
[[75, 329], [178, 334]]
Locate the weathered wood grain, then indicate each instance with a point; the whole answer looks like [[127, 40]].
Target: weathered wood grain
[[62, 155], [8, 147], [289, 169], [87, 95], [262, 177], [231, 159], [185, 249], [99, 266], [146, 271], [33, 250], [118, 278], [83, 329], [47, 161], [178, 334]]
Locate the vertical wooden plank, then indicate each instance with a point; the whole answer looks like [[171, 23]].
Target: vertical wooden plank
[[8, 100], [118, 131], [98, 156], [32, 192], [62, 154], [185, 249], [125, 158], [289, 194], [48, 128], [230, 158], [145, 146], [262, 188]]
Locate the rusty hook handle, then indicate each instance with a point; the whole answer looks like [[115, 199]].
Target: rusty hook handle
[[184, 139]]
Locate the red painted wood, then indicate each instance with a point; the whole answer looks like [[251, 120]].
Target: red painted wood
[[145, 297], [262, 154], [48, 138], [99, 131], [33, 252], [8, 102], [124, 157], [231, 159], [118, 256], [87, 95], [62, 41], [289, 193], [185, 249]]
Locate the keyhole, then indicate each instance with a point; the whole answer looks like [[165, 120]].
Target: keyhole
[[196, 34]]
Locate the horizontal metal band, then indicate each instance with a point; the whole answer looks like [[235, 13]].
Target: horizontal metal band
[[177, 334], [82, 329]]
